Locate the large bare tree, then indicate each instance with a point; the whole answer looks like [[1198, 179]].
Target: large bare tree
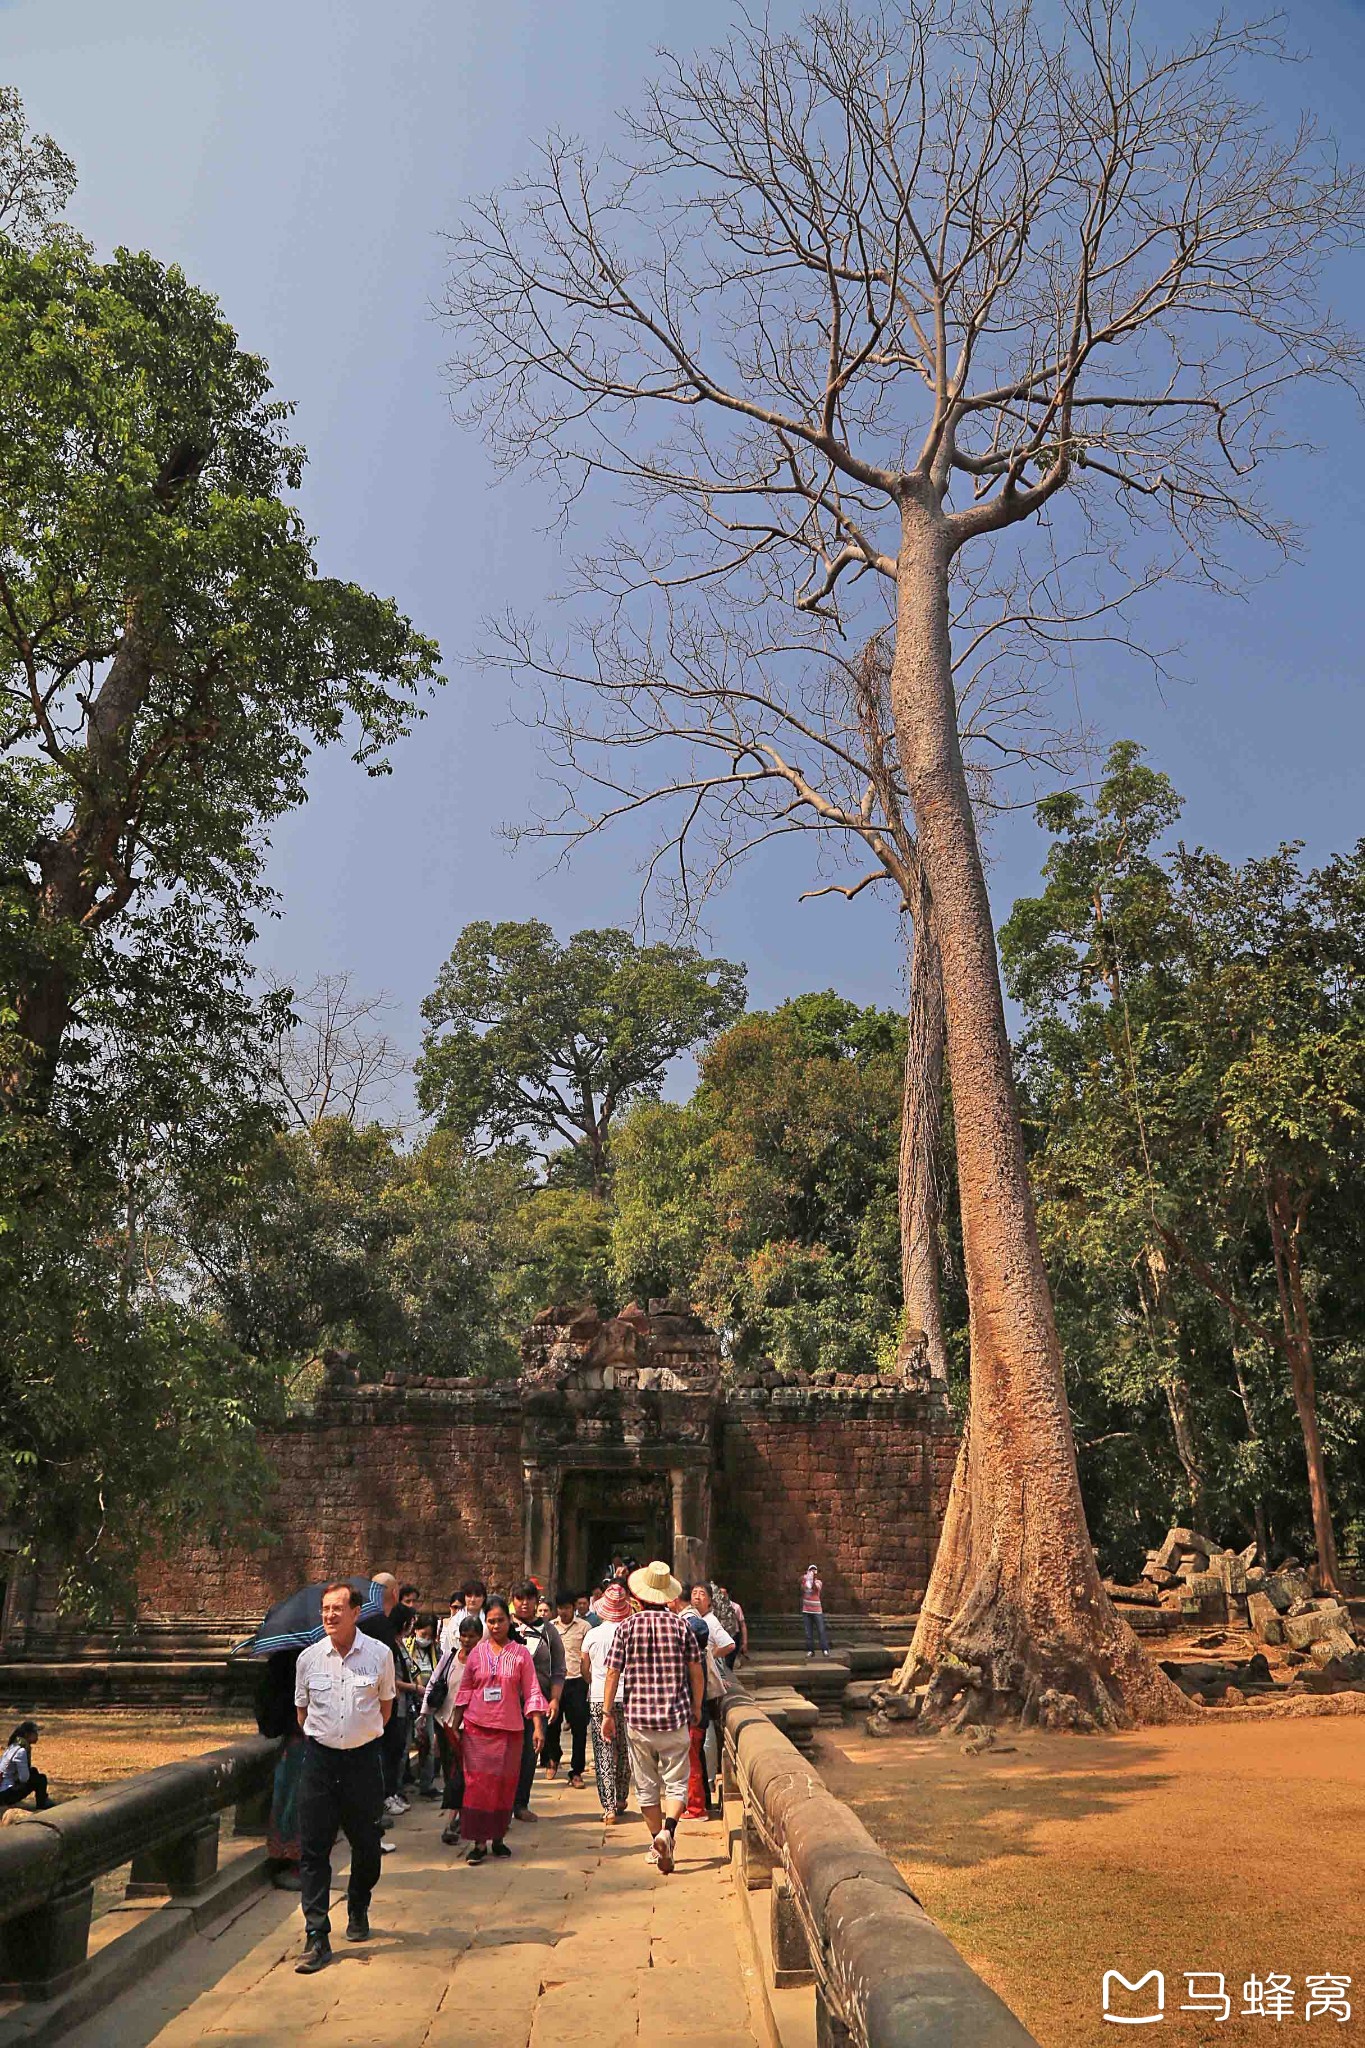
[[848, 305], [333, 1055], [726, 739]]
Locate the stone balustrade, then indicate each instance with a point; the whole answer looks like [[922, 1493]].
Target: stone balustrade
[[843, 1917], [163, 1822]]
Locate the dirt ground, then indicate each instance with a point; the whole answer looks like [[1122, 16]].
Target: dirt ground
[[81, 1751], [1236, 1849]]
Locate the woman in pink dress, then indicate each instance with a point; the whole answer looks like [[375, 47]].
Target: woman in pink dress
[[498, 1693]]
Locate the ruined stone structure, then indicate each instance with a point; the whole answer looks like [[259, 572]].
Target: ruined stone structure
[[619, 1435]]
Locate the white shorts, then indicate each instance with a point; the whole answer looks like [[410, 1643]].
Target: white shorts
[[660, 1759]]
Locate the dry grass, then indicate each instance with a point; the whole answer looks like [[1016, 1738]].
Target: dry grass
[[1232, 1848], [81, 1751]]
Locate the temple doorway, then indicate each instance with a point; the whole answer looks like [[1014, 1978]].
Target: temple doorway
[[604, 1512]]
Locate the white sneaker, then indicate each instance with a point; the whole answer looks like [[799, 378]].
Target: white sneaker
[[386, 1847], [663, 1850], [400, 1804]]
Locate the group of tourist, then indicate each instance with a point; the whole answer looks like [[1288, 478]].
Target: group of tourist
[[635, 1665]]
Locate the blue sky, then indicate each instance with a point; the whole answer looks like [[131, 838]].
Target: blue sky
[[301, 159]]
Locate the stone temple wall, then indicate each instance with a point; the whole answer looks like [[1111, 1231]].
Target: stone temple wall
[[855, 1481], [756, 1474], [430, 1490]]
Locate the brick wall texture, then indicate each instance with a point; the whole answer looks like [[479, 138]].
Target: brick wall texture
[[856, 1485], [855, 1481], [434, 1502]]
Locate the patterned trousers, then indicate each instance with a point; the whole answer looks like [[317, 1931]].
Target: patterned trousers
[[611, 1762]]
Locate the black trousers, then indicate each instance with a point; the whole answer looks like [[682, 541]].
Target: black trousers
[[573, 1708], [528, 1768], [452, 1770], [393, 1750], [339, 1790], [37, 1785]]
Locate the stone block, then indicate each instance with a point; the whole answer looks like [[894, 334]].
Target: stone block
[[1300, 1630], [180, 1867], [1231, 1571], [1181, 1542], [42, 1951], [1264, 1618], [791, 1949], [1285, 1587], [1336, 1644]]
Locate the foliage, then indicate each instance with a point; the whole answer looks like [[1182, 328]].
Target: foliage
[[131, 1415], [1193, 1068], [339, 1239], [527, 1036], [170, 654], [771, 1197]]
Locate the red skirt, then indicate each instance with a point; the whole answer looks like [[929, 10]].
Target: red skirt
[[492, 1765]]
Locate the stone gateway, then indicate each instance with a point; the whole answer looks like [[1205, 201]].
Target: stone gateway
[[620, 1435]]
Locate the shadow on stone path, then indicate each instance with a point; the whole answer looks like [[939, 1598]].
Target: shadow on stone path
[[574, 1943]]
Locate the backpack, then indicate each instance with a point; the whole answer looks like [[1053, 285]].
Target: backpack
[[438, 1692], [724, 1612]]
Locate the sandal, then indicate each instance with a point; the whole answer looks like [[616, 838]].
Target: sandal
[[576, 1780]]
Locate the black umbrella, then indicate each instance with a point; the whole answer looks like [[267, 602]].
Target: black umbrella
[[295, 1622]]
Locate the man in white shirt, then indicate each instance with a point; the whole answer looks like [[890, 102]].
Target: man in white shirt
[[469, 1600], [721, 1638], [344, 1690]]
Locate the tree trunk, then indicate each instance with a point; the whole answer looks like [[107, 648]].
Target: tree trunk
[[1244, 1396], [1028, 1622], [1174, 1385], [1284, 1218], [921, 1158], [1178, 1404], [73, 867]]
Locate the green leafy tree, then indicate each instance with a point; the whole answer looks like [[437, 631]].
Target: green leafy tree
[[527, 1036], [131, 1414], [169, 651], [771, 1198], [1196, 1057], [169, 656], [337, 1238]]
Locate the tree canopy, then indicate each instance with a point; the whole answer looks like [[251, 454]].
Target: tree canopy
[[169, 651], [770, 1198], [528, 1036], [170, 655], [1194, 1066]]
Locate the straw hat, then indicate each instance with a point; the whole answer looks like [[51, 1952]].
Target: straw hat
[[654, 1584]]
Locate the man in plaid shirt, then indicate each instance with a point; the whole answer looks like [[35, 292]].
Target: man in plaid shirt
[[655, 1664]]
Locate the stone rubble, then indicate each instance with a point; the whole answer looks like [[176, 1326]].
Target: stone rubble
[[1316, 1645]]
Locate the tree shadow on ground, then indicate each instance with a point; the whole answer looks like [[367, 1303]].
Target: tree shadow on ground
[[927, 1803]]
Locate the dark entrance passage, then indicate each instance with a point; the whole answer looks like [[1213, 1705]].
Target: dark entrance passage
[[605, 1512]]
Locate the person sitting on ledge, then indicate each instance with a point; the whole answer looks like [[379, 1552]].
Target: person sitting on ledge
[[17, 1776]]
